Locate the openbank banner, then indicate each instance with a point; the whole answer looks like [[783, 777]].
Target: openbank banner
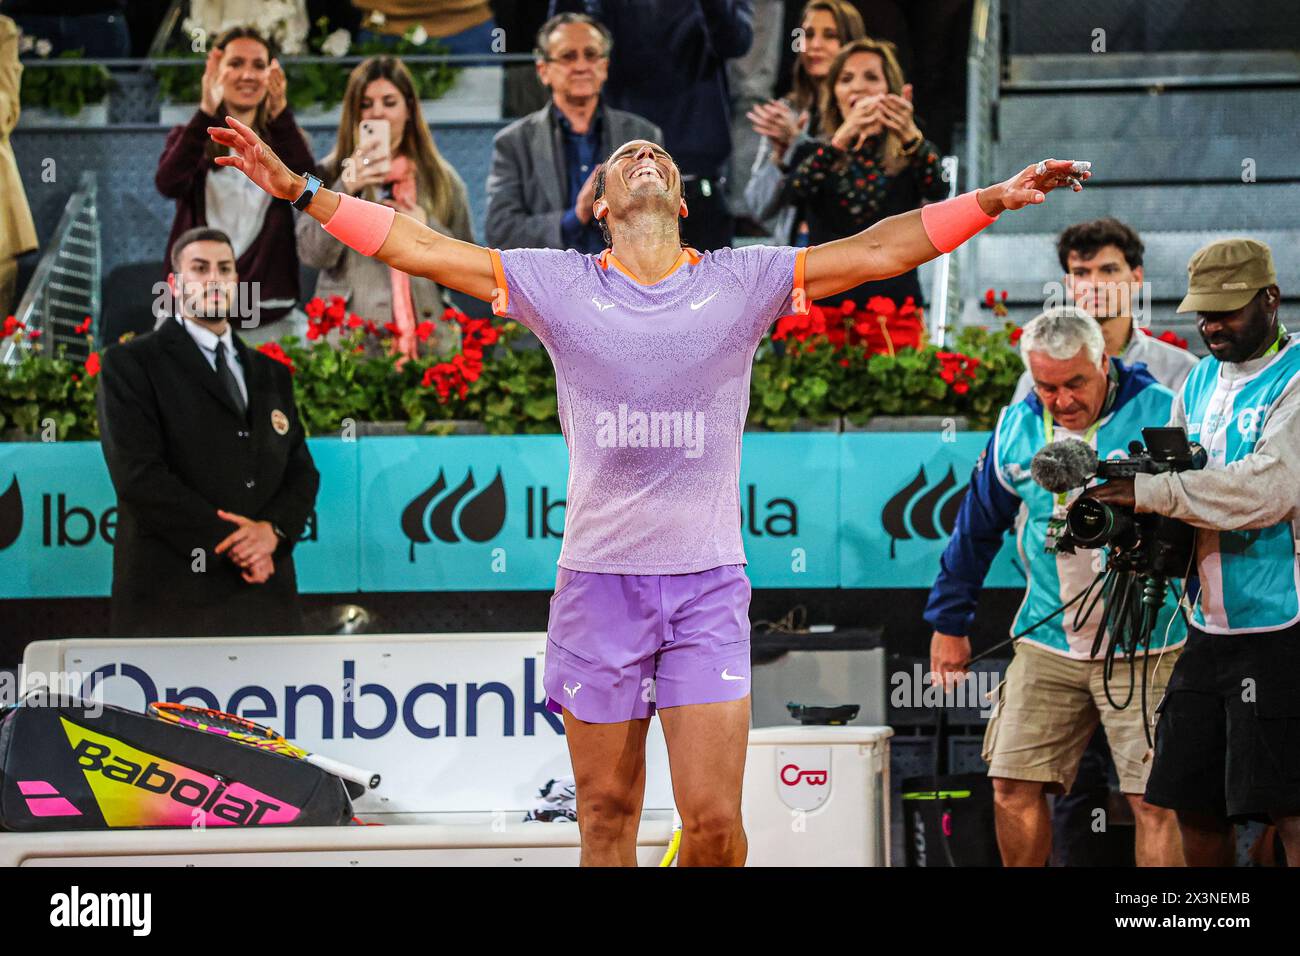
[[452, 723], [863, 510]]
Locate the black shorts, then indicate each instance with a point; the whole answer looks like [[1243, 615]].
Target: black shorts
[[1228, 734]]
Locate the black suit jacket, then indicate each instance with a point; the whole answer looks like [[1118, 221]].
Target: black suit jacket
[[177, 450]]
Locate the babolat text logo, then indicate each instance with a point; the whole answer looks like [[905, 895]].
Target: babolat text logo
[[76, 908], [134, 788]]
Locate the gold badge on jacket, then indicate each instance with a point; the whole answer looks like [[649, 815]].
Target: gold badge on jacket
[[280, 422]]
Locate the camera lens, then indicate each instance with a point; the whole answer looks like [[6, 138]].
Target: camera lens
[[1093, 523], [1090, 522]]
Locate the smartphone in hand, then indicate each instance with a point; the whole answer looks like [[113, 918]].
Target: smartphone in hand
[[373, 138]]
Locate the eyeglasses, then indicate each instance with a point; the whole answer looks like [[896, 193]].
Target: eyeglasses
[[570, 57]]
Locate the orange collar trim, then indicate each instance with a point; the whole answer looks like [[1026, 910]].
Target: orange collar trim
[[689, 256]]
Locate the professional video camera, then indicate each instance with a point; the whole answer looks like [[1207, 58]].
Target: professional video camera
[[1148, 544], [1144, 551]]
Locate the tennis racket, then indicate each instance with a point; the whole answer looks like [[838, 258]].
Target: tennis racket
[[246, 732]]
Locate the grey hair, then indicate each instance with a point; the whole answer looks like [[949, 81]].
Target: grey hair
[[1061, 332], [542, 46]]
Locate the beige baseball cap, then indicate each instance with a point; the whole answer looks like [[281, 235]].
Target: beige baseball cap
[[1225, 275]]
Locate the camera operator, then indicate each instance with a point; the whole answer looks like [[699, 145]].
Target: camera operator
[[1226, 744], [1053, 694]]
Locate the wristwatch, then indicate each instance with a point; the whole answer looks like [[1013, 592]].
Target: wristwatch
[[308, 192], [275, 527]]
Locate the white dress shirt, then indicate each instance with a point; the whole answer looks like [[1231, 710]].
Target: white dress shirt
[[207, 341]]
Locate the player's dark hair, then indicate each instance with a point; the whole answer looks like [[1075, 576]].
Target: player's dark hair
[[604, 229], [1086, 238], [197, 234]]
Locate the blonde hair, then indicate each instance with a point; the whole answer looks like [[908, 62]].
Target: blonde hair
[[892, 152], [435, 179]]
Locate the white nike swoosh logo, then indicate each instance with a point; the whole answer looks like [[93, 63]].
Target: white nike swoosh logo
[[726, 676], [604, 307], [700, 305]]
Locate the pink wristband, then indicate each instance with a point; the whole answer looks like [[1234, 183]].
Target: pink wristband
[[953, 221], [362, 225]]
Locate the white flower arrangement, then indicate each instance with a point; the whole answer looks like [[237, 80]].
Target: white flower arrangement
[[284, 22], [337, 43], [43, 47], [417, 34], [26, 43]]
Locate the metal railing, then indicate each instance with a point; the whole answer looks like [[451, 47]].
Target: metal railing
[[945, 299], [983, 86], [65, 287]]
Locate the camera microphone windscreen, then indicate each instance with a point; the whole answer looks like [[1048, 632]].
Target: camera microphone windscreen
[[1063, 465]]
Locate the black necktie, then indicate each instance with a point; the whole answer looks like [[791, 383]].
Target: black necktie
[[227, 378]]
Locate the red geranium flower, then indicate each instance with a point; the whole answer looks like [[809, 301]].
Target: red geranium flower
[[881, 305], [273, 350], [1170, 336], [315, 308], [92, 364]]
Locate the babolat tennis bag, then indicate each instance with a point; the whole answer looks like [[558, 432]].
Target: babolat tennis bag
[[92, 767]]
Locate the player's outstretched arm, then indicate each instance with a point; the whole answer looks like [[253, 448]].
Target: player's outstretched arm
[[901, 243], [408, 246]]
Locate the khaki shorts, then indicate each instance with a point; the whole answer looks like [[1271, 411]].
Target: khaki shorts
[[1047, 707]]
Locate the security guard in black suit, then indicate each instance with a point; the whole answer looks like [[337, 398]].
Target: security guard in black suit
[[214, 480]]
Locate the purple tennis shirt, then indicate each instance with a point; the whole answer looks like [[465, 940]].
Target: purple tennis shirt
[[653, 388]]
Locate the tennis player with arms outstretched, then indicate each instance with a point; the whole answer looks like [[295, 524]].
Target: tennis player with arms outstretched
[[652, 345]]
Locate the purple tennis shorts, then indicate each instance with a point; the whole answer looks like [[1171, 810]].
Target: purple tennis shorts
[[617, 645]]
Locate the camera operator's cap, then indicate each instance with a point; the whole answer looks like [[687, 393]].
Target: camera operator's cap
[[1225, 275]]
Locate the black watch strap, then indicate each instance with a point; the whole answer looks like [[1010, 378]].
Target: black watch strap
[[308, 192]]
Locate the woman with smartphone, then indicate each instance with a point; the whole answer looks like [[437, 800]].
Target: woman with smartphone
[[385, 153], [242, 78]]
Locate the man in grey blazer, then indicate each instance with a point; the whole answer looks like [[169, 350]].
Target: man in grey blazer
[[543, 177]]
